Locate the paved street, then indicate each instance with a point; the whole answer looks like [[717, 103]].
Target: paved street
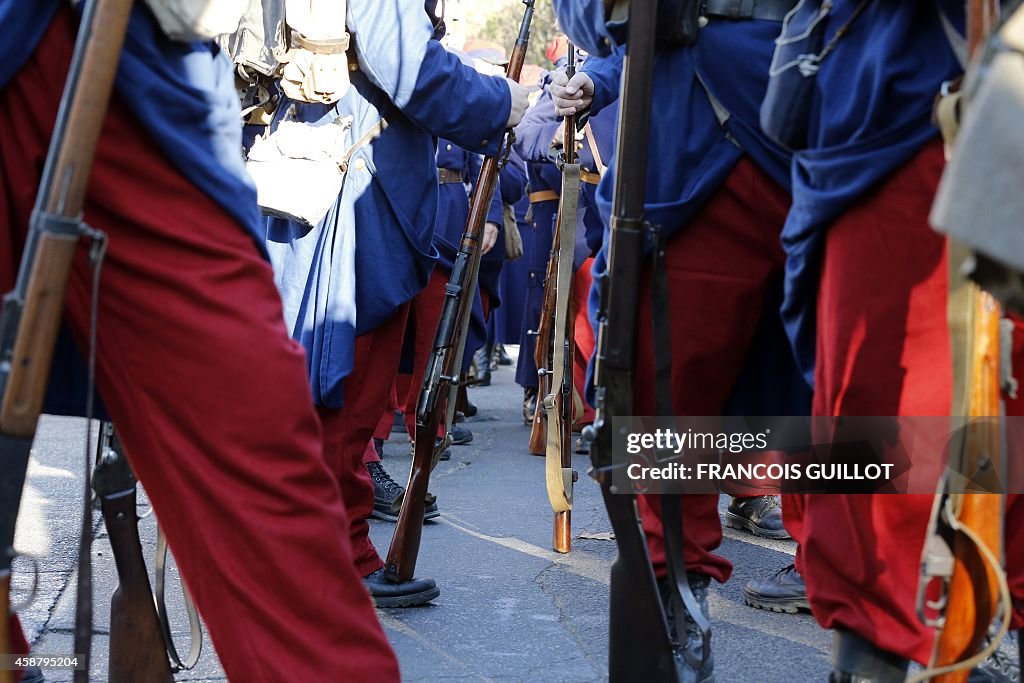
[[510, 608]]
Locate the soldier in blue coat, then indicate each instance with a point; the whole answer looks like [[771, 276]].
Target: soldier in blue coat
[[347, 282], [508, 321], [866, 304], [595, 141], [231, 458], [716, 188], [543, 186]]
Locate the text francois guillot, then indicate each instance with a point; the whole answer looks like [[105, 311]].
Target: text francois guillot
[[667, 440]]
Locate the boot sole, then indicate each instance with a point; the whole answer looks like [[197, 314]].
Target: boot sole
[[412, 600], [781, 605], [734, 521], [388, 517]]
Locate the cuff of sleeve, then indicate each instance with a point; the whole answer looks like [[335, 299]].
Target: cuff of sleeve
[[491, 125]]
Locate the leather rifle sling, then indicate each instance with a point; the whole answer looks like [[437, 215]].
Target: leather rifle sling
[[559, 479]]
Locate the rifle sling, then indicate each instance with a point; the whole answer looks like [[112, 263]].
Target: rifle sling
[[195, 648], [681, 596], [559, 479]]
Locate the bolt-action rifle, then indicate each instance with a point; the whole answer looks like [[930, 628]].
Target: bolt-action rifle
[[964, 548], [31, 313], [552, 426], [641, 646], [436, 401]]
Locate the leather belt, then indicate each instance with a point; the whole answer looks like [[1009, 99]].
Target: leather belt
[[590, 177], [448, 175], [768, 10], [543, 196]]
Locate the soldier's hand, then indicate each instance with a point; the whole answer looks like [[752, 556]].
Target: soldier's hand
[[490, 237], [571, 96], [520, 101]]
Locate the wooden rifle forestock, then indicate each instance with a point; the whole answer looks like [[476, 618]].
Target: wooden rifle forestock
[[973, 589], [400, 565], [32, 311], [542, 352], [46, 262], [137, 649], [562, 531]]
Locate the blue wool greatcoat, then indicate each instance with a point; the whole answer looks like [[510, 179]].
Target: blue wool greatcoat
[[183, 95], [452, 214], [512, 283], [692, 152], [373, 251], [873, 113]]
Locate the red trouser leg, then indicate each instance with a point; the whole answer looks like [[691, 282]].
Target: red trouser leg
[[584, 336], [883, 349], [348, 430], [718, 268], [1014, 523], [209, 394], [424, 314]]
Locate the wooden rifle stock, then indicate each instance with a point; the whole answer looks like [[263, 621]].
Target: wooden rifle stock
[[542, 353], [31, 313], [975, 588], [137, 649], [639, 645], [442, 371]]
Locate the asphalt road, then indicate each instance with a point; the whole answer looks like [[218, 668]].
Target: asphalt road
[[510, 608]]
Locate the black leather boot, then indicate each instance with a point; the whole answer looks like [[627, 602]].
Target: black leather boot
[[784, 591], [856, 660], [411, 593], [389, 494], [482, 361], [693, 649], [760, 515], [500, 356]]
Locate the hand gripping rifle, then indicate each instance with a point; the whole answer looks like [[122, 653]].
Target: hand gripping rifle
[[558, 401], [441, 379], [641, 644], [964, 547], [31, 313]]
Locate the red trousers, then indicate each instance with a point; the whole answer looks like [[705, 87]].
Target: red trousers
[[719, 267], [883, 349], [584, 336], [424, 313], [348, 430], [208, 392]]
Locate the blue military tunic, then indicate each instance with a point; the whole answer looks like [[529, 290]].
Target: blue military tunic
[[873, 114], [452, 214], [373, 251], [513, 283], [533, 141]]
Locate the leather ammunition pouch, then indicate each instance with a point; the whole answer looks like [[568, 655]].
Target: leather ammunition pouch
[[799, 52]]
